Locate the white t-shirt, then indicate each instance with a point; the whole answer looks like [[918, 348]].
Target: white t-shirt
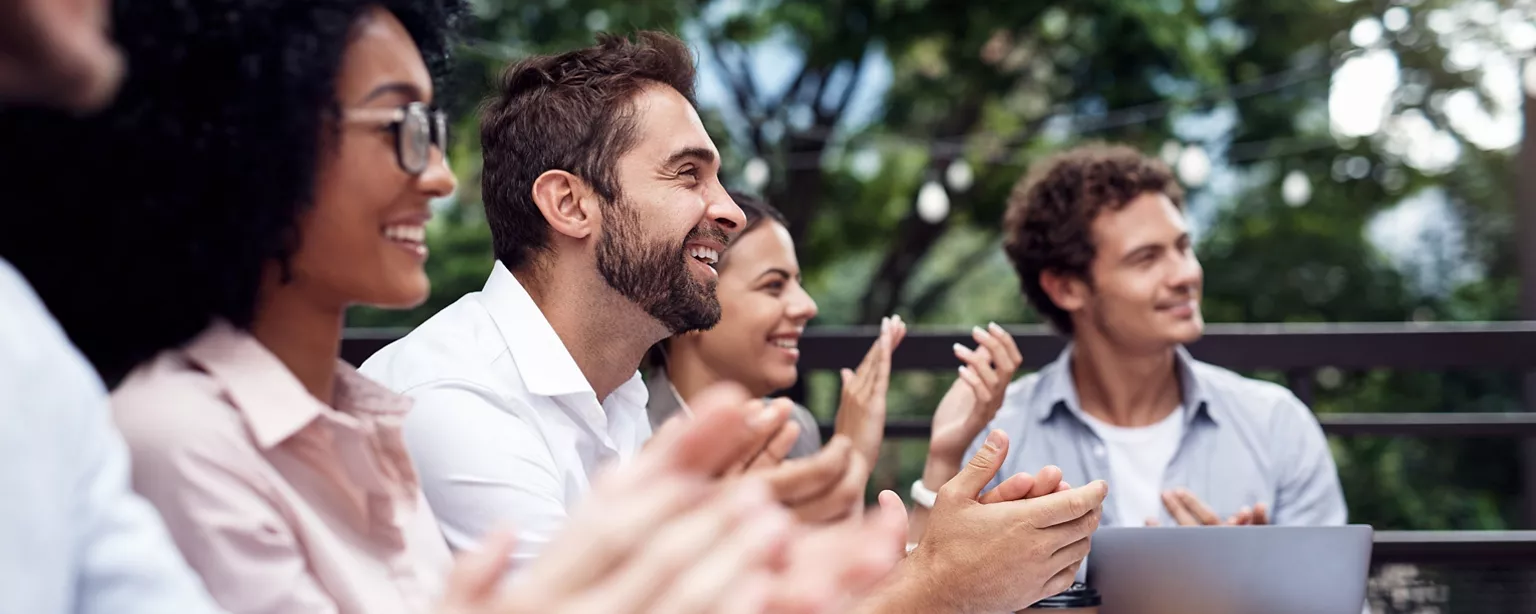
[[1138, 457]]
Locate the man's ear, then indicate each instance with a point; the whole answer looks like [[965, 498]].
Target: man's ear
[[567, 204], [1069, 292]]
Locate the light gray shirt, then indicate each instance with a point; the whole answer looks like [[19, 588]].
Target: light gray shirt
[[73, 537], [1245, 442], [663, 404]]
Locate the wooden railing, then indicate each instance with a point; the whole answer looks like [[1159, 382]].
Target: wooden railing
[[1299, 351]]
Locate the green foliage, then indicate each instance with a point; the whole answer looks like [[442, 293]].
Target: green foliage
[[1000, 84]]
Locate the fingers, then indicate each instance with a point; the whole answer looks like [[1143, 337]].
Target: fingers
[[1075, 534], [978, 387], [1009, 346], [1260, 514], [726, 432], [778, 448], [844, 499], [845, 560], [1176, 508], [609, 525], [476, 574], [1062, 581], [656, 564], [882, 364], [1016, 487], [1193, 512], [1067, 557], [979, 361], [802, 479], [765, 421], [979, 470], [876, 349], [1063, 507], [1046, 482], [990, 340], [891, 505], [711, 579]]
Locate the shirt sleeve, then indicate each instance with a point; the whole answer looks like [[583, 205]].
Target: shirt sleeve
[[809, 441], [224, 517], [484, 468], [73, 536], [1309, 493]]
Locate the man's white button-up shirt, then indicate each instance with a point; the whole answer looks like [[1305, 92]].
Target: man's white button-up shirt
[[506, 432]]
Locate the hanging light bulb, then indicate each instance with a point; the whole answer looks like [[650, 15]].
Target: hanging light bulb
[[1296, 189], [932, 202], [1194, 166], [755, 174], [959, 175]]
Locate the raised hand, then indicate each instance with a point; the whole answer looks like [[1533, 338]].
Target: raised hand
[[974, 399], [861, 412]]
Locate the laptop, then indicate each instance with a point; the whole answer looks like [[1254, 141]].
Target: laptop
[[1231, 570]]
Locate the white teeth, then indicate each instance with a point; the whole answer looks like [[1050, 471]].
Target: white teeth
[[788, 344], [705, 254], [414, 233]]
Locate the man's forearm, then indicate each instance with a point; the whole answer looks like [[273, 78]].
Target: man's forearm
[[906, 591]]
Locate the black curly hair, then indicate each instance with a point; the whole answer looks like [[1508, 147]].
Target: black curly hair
[[1049, 222], [141, 224]]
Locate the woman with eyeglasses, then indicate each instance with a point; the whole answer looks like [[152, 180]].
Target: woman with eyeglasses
[[268, 165]]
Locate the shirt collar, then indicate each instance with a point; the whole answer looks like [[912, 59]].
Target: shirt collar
[[272, 401], [1057, 392], [546, 366], [662, 400]]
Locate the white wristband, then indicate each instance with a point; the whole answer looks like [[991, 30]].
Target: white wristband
[[922, 496]]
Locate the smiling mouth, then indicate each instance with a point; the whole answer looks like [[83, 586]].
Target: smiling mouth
[[785, 344], [705, 255], [410, 237]]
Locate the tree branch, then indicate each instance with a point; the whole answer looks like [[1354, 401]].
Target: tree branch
[[931, 295], [847, 95], [742, 88]]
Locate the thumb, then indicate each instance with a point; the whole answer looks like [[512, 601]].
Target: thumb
[[891, 506], [477, 573], [847, 376], [982, 467]]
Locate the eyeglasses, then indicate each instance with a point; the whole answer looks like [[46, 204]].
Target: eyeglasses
[[417, 128]]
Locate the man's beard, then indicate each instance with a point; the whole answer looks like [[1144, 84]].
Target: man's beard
[[655, 276]]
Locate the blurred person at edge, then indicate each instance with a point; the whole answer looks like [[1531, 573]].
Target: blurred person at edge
[[1102, 248], [964, 567], [304, 190], [74, 538]]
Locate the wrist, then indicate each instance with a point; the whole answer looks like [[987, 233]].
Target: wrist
[[920, 587], [938, 471]]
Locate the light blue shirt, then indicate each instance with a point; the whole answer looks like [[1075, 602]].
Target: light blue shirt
[[1245, 442], [73, 537]]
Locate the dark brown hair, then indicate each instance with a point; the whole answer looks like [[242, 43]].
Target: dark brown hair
[[1048, 226], [572, 112], [756, 211]]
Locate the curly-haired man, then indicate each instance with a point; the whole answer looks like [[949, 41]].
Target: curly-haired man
[[1103, 252]]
